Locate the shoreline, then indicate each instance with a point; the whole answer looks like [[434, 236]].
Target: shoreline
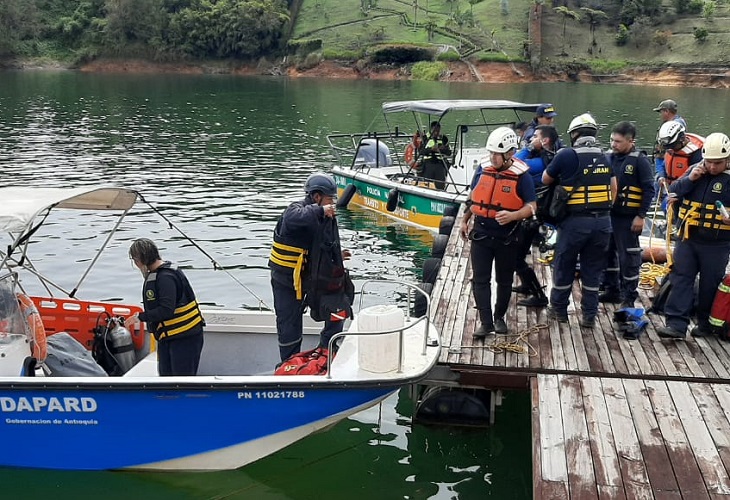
[[487, 72]]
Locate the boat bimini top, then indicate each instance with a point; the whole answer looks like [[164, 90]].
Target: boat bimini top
[[439, 107]]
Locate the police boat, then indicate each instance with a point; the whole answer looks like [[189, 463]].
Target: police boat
[[80, 391], [383, 170]]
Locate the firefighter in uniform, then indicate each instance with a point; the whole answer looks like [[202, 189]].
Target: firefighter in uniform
[[705, 239], [502, 196], [635, 181], [290, 254], [435, 152], [583, 170], [170, 311], [680, 150]]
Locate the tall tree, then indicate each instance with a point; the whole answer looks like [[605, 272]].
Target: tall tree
[[594, 17], [567, 14]]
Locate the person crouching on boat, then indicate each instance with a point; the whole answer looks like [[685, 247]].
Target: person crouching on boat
[[502, 196], [704, 247], [170, 311], [307, 267], [435, 153]]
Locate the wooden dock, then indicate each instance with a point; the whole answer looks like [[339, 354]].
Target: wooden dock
[[612, 418]]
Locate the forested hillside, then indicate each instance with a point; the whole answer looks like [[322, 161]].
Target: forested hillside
[[603, 35]]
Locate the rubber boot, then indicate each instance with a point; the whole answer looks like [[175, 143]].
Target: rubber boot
[[524, 288]]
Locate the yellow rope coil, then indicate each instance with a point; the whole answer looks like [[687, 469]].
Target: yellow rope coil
[[516, 343]]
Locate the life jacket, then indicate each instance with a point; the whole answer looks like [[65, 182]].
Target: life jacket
[[312, 362], [630, 193], [594, 191], [676, 163], [187, 318], [329, 290], [698, 212], [497, 190], [289, 256], [411, 153]]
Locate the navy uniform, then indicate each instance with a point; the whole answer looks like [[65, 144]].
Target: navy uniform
[[294, 237], [173, 317], [584, 172], [635, 181], [705, 241]]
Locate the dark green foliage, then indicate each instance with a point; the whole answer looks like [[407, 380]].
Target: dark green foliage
[[18, 22], [304, 46], [700, 34], [400, 54], [622, 35]]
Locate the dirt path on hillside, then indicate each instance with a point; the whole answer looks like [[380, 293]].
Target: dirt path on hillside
[[458, 72]]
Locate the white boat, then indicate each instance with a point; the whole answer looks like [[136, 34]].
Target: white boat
[[373, 170], [232, 413]]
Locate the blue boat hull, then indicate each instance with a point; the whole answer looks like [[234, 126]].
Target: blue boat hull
[[166, 428]]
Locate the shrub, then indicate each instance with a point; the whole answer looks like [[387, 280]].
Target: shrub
[[428, 70], [708, 9], [496, 57], [310, 61], [695, 6], [400, 54], [449, 55], [304, 46], [342, 55], [700, 34], [622, 35], [602, 66], [660, 37]]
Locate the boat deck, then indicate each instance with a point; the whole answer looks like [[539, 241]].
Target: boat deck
[[612, 417]]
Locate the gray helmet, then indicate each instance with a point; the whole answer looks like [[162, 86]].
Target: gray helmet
[[322, 183]]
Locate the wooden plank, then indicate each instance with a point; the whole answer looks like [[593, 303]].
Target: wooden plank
[[603, 447], [631, 460], [658, 465], [700, 440], [686, 471], [552, 441]]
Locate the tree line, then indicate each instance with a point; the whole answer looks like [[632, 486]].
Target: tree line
[[161, 29]]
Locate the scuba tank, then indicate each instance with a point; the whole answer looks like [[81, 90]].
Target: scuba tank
[[122, 346]]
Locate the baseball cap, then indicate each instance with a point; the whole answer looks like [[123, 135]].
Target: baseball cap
[[547, 110], [666, 104]]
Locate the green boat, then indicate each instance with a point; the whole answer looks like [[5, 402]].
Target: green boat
[[380, 171]]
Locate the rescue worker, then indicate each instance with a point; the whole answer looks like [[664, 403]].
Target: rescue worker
[[705, 239], [667, 110], [680, 150], [537, 156], [435, 152], [635, 182], [503, 195], [584, 171], [544, 115], [170, 311], [292, 255]]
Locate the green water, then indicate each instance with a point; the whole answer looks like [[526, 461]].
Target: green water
[[222, 156]]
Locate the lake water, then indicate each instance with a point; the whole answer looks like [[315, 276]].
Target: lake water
[[221, 157]]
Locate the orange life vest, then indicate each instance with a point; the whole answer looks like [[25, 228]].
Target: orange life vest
[[411, 153], [676, 163], [497, 190]]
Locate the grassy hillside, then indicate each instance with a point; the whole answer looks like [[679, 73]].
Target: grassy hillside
[[495, 29]]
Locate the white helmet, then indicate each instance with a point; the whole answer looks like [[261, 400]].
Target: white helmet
[[501, 140], [583, 121], [717, 147], [670, 132]]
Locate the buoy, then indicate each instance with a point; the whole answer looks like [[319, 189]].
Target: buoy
[[657, 255], [392, 200], [441, 404], [347, 195]]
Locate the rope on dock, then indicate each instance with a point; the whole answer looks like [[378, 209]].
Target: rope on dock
[[516, 343]]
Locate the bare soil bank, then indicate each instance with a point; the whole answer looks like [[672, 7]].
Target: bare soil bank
[[458, 72]]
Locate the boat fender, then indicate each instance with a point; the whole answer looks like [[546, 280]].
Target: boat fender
[[438, 249], [347, 195], [420, 305], [34, 328], [446, 224], [431, 269], [451, 211], [393, 196]]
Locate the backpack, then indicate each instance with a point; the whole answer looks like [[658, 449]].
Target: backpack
[[312, 362]]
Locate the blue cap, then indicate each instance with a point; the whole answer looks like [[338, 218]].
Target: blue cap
[[547, 110]]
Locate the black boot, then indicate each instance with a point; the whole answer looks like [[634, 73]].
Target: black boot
[[525, 288], [538, 298]]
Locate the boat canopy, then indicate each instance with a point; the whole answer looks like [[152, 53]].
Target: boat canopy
[[21, 205], [440, 107]]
